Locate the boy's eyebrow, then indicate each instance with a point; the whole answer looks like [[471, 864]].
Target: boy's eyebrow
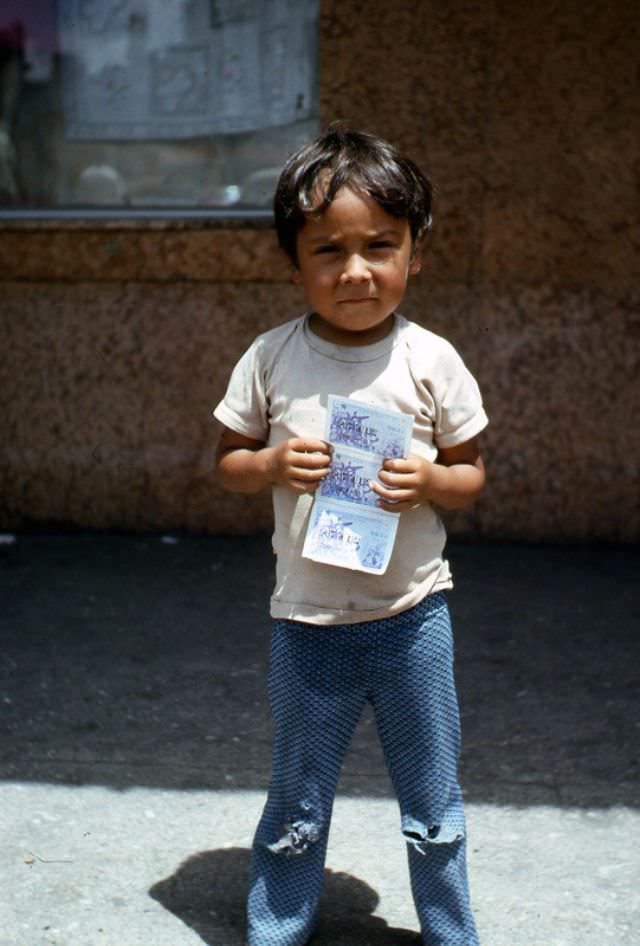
[[371, 234]]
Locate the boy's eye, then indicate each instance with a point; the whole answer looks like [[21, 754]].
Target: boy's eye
[[327, 248], [381, 244]]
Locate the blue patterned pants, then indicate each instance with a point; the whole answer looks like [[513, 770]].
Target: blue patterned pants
[[319, 680]]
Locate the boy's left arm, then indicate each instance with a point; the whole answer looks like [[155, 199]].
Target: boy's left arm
[[454, 481]]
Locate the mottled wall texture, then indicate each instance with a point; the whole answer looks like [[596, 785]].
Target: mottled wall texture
[[117, 339]]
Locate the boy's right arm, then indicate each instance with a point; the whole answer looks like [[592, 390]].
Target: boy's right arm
[[245, 465]]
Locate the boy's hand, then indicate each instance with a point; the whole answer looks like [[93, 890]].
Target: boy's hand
[[404, 483], [245, 465], [299, 464], [454, 481]]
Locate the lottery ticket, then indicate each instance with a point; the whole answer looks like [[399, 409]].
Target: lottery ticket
[[347, 528], [343, 534], [349, 477], [369, 428]]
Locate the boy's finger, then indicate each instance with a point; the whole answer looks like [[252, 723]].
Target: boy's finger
[[399, 465], [310, 461], [393, 479], [398, 507], [308, 445], [308, 475], [391, 495], [302, 486]]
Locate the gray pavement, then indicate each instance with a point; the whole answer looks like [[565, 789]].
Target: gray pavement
[[135, 747]]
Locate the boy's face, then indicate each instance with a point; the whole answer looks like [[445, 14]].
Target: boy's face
[[353, 263]]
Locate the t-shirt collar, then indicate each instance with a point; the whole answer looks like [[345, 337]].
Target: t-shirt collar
[[352, 353]]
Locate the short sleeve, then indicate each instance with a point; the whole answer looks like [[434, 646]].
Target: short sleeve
[[459, 411], [244, 407]]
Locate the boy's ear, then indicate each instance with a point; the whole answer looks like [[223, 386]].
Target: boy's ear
[[415, 263], [287, 259]]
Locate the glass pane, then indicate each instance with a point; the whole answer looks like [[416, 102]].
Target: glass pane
[[153, 103]]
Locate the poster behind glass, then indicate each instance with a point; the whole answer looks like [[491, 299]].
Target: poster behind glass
[[153, 103]]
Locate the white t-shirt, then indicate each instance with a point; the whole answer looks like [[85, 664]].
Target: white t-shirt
[[279, 390]]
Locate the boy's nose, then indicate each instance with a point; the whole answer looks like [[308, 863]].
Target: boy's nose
[[355, 270]]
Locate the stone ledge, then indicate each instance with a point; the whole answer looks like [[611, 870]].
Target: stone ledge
[[109, 253]]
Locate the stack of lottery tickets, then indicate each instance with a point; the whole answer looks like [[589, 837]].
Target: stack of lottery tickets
[[346, 527]]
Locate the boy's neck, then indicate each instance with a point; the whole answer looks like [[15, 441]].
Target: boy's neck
[[337, 336]]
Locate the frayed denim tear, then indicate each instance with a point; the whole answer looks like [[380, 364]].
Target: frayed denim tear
[[299, 835], [422, 837]]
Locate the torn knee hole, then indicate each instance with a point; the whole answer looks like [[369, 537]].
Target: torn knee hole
[[434, 834], [297, 838]]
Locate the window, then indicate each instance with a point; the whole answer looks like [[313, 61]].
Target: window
[[152, 104]]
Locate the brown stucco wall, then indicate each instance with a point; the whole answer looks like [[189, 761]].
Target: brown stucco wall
[[117, 340]]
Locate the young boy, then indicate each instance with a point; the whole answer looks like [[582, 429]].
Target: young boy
[[351, 213]]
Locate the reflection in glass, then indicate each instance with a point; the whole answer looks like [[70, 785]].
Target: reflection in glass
[[153, 103]]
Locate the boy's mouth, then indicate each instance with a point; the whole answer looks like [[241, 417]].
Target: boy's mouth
[[356, 300]]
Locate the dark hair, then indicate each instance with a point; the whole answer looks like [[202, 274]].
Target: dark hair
[[314, 174]]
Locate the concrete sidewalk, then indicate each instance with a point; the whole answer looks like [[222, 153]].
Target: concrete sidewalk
[[135, 750]]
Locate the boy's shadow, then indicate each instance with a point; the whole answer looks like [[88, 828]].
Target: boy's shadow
[[208, 892]]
